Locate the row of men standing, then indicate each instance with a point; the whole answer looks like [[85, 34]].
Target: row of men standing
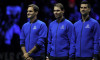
[[65, 40]]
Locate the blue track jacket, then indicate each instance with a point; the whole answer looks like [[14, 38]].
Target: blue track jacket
[[34, 34], [59, 38], [84, 42]]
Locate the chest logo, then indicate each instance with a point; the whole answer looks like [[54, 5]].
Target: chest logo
[[62, 27], [34, 27], [87, 26]]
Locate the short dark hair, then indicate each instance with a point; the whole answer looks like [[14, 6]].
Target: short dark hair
[[59, 5], [35, 7], [86, 2]]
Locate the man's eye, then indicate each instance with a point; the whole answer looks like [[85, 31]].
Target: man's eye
[[56, 10], [81, 7], [29, 11], [85, 7]]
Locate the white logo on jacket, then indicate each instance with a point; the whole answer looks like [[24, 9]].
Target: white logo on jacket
[[62, 27], [87, 26], [34, 27]]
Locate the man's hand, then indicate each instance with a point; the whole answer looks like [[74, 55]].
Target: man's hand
[[29, 58], [92, 59], [47, 59], [26, 55]]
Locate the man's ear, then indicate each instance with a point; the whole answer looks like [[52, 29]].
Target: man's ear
[[89, 9], [36, 13], [63, 11]]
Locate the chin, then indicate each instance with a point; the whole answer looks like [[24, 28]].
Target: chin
[[56, 16], [29, 17], [82, 13]]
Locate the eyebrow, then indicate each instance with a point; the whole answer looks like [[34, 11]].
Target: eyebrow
[[29, 10], [56, 10], [83, 7]]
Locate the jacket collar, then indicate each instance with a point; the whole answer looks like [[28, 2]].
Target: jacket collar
[[61, 20], [86, 19], [34, 21]]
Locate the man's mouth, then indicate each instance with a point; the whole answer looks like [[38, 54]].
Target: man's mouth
[[28, 15], [56, 15], [83, 11]]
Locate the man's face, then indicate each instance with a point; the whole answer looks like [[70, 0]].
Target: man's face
[[84, 9], [58, 13], [31, 13]]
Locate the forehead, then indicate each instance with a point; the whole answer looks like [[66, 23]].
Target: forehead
[[56, 8], [30, 8], [84, 5]]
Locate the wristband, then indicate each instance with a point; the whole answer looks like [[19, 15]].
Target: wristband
[[47, 57]]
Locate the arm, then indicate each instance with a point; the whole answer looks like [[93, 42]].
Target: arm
[[23, 49], [96, 39], [22, 43], [49, 43], [25, 54], [32, 50], [72, 45], [41, 38]]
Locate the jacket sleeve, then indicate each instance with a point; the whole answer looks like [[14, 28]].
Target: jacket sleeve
[[42, 35], [69, 31], [96, 38], [99, 39], [49, 42], [72, 44], [22, 37]]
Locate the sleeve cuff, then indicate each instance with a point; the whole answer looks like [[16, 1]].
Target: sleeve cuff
[[48, 55], [37, 46], [96, 56], [72, 58], [22, 45]]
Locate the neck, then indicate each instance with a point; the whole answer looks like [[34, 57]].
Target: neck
[[33, 19], [84, 17], [59, 19]]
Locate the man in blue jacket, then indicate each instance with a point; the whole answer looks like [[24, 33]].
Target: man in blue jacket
[[33, 35], [59, 35], [84, 42]]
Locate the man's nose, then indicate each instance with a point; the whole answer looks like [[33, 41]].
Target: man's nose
[[55, 12]]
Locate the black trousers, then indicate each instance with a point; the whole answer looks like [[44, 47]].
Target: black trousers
[[39, 58], [42, 57], [99, 56], [81, 58], [58, 58]]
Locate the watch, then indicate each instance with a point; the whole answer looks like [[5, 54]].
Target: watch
[[29, 53], [47, 57]]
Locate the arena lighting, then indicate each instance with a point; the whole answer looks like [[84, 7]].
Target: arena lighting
[[71, 3]]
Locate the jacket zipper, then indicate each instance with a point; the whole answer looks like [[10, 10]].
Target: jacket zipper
[[29, 37], [81, 38], [56, 38]]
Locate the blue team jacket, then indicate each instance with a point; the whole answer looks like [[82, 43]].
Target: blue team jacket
[[59, 38], [84, 42], [32, 35]]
